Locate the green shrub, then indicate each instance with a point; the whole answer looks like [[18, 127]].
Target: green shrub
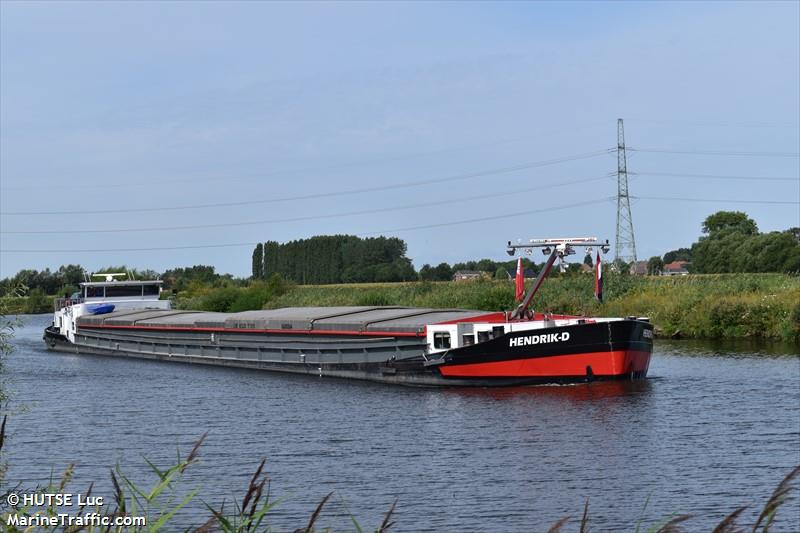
[[219, 300], [38, 302]]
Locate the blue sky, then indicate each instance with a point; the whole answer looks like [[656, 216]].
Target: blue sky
[[124, 106]]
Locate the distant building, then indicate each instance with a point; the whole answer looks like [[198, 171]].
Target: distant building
[[466, 275], [676, 268], [639, 268], [587, 269]]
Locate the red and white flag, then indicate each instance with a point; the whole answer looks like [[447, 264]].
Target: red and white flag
[[598, 279], [519, 281]]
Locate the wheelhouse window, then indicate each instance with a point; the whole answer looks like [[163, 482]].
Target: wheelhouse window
[[441, 340], [94, 292], [150, 290], [483, 336], [467, 339], [116, 291], [498, 331]]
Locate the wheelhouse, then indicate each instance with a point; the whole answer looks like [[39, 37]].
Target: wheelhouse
[[95, 291]]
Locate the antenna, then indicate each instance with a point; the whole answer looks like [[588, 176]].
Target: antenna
[[625, 248]]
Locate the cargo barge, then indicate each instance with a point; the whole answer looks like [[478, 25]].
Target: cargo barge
[[402, 345]]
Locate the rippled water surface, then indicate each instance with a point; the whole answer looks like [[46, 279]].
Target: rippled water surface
[[712, 428]]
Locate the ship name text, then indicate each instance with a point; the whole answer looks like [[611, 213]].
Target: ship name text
[[538, 339]]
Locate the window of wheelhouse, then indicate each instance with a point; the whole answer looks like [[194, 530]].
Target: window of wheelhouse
[[150, 290], [441, 340], [94, 292], [116, 291]]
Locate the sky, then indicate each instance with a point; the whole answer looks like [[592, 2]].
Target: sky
[[156, 134]]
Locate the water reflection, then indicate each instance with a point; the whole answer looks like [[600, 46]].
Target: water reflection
[[577, 393], [728, 348]]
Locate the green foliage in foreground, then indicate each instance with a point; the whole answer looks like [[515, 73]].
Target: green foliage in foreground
[[697, 306], [160, 503]]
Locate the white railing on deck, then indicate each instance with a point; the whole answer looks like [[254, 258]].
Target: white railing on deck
[[61, 303]]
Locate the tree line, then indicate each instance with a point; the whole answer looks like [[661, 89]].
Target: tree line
[[66, 280], [334, 259], [731, 243]]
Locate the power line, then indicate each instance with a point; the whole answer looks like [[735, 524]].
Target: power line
[[395, 230], [402, 185], [436, 203], [715, 152], [671, 198], [408, 228], [486, 219], [313, 168], [757, 124], [714, 176]]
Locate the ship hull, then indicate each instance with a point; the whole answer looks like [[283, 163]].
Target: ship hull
[[571, 354]]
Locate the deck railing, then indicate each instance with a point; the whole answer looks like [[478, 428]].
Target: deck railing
[[61, 303]]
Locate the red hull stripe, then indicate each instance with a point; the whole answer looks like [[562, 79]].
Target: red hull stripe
[[273, 331], [614, 363]]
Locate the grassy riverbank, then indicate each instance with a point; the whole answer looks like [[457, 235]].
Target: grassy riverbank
[[711, 306], [700, 306]]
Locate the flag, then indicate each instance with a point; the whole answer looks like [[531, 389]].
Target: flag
[[520, 281], [598, 279]]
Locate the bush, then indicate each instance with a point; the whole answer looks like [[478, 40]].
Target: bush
[[37, 302], [219, 300]]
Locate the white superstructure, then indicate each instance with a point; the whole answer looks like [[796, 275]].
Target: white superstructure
[[95, 294]]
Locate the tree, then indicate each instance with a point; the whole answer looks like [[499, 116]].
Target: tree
[[71, 274], [180, 278], [443, 272], [258, 261], [681, 254], [337, 259], [500, 273], [485, 265], [729, 220], [426, 273], [732, 244], [655, 266], [715, 254]]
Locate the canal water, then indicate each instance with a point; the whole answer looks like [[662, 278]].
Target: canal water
[[712, 428]]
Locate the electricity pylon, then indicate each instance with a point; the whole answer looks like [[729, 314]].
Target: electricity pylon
[[625, 248]]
